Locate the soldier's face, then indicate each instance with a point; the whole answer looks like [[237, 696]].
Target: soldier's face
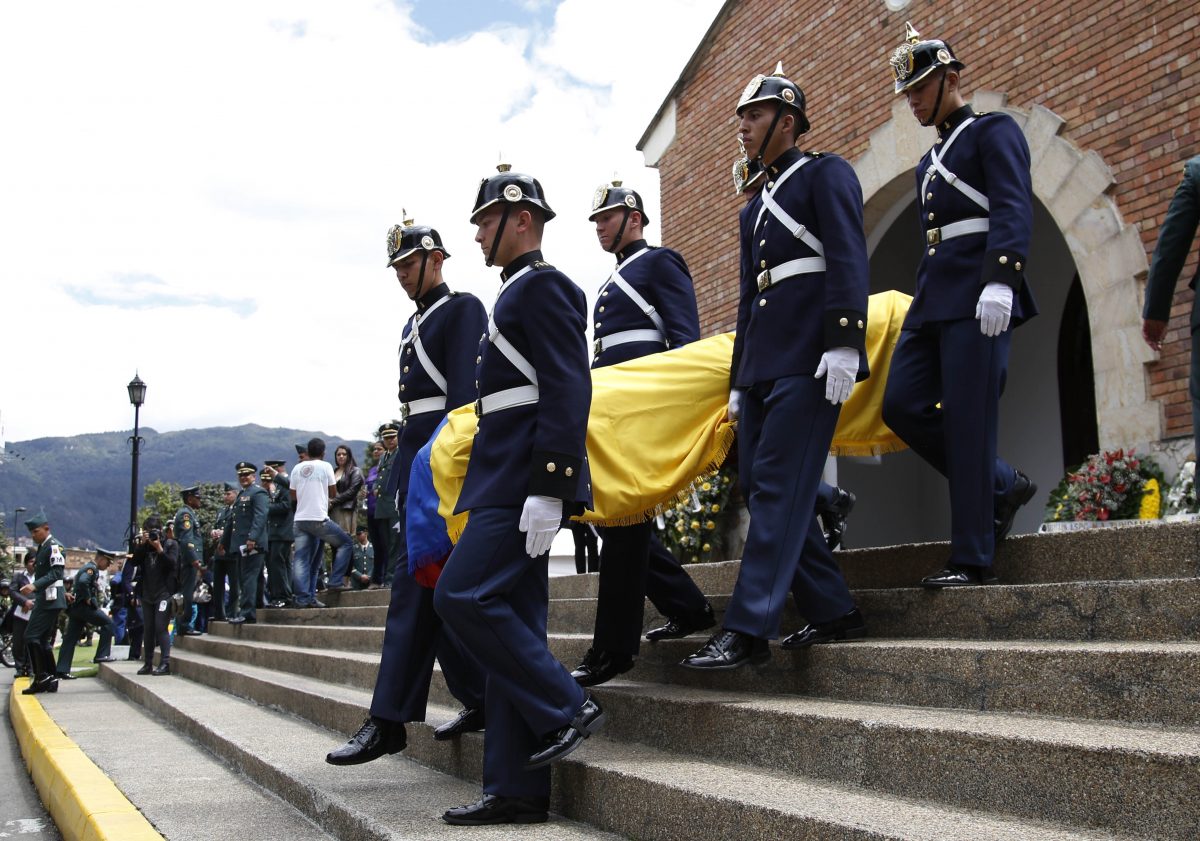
[[229, 497], [923, 96], [607, 225], [245, 479], [40, 533], [486, 227], [753, 123], [390, 441], [408, 272]]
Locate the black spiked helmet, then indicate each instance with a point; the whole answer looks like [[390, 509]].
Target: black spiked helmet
[[507, 187], [915, 59], [775, 88], [614, 196], [408, 238]]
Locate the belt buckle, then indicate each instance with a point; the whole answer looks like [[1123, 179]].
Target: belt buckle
[[933, 236], [597, 347], [764, 280], [479, 408], [404, 411]]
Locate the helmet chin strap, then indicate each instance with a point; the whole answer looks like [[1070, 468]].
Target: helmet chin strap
[[491, 258], [937, 103], [416, 296], [620, 233], [762, 149]]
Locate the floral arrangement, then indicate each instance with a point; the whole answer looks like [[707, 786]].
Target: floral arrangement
[[1113, 485], [1181, 497], [691, 527]]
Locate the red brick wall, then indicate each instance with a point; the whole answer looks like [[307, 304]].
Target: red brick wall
[[1123, 75]]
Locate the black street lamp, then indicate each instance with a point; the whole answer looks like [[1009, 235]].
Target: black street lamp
[[137, 396]]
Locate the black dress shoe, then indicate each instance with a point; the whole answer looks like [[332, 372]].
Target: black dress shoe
[[145, 670], [467, 721], [558, 744], [493, 809], [109, 659], [163, 669], [65, 676], [959, 576], [600, 667], [834, 517], [1022, 492], [848, 627], [374, 739], [680, 628], [46, 684], [728, 650]]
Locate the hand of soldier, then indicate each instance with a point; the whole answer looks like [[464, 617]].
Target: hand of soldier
[[994, 309], [251, 546], [1153, 332], [541, 519], [734, 410], [839, 367], [28, 588]]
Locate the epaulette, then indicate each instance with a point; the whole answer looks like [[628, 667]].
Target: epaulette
[[541, 264], [816, 154]]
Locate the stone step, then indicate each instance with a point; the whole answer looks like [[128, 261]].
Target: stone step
[[359, 615], [1150, 609], [637, 788], [393, 799], [335, 637], [1136, 682]]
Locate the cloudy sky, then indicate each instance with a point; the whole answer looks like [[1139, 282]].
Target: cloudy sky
[[201, 192]]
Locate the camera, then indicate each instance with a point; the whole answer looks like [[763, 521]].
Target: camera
[[153, 535]]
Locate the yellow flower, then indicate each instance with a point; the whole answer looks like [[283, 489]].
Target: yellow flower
[[1151, 501], [707, 547], [710, 525], [706, 487], [715, 508], [694, 559], [696, 524]]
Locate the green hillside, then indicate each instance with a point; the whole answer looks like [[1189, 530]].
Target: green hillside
[[82, 482]]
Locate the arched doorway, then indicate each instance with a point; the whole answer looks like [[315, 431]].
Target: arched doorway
[[1082, 271]]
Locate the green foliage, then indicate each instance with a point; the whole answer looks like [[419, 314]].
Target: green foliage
[[693, 529], [1108, 486]]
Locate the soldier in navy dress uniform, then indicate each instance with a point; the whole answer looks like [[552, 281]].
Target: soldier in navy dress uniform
[[246, 539], [798, 351], [437, 373], [948, 369], [49, 600], [191, 556], [83, 610], [528, 470], [647, 305]]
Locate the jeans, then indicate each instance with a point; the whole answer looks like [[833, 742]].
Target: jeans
[[309, 534]]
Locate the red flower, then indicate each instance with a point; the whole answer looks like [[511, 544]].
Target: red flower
[[1120, 488], [1103, 513]]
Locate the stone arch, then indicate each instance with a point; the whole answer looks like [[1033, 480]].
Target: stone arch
[[1109, 256]]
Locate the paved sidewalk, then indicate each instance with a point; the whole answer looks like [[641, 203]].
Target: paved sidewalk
[[22, 814]]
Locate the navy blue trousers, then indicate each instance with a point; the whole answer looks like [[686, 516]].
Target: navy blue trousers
[[414, 633], [633, 565], [784, 435], [953, 364], [494, 598]]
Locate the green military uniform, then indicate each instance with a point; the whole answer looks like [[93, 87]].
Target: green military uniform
[[224, 565], [248, 522], [191, 559], [385, 504], [280, 519], [50, 599], [363, 563], [82, 611]]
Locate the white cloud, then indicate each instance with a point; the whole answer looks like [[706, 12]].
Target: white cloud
[[187, 187]]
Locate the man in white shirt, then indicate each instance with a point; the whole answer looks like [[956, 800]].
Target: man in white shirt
[[313, 485]]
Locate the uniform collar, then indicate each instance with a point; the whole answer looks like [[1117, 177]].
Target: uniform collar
[[783, 161], [631, 249], [526, 259], [432, 297], [951, 122]]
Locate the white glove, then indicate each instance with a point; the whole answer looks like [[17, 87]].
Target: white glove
[[839, 367], [994, 308], [734, 411], [541, 519]]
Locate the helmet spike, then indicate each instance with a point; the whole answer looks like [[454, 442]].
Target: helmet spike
[[408, 221], [910, 34], [778, 68]]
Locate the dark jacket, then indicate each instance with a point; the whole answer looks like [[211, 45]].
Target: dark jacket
[[1174, 244], [157, 572], [347, 489]]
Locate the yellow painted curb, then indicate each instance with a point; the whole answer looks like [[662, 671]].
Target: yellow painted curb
[[81, 799]]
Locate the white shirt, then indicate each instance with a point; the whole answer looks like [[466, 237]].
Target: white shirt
[[311, 481]]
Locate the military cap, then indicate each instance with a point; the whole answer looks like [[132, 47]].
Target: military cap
[[389, 429], [613, 195], [244, 467], [229, 487], [274, 462], [301, 450], [194, 490], [408, 238], [915, 59], [510, 187], [775, 88], [107, 553], [265, 475], [361, 530], [37, 520]]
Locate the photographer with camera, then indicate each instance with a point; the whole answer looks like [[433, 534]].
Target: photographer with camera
[[157, 560]]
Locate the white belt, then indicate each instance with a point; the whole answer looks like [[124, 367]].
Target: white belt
[[625, 337], [974, 225], [422, 406], [805, 265], [522, 395]]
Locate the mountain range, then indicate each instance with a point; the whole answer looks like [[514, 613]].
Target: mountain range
[[82, 481]]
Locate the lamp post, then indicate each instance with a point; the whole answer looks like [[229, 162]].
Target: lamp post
[[12, 537], [137, 396]]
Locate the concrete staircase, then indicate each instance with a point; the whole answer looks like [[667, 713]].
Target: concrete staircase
[[1063, 703]]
